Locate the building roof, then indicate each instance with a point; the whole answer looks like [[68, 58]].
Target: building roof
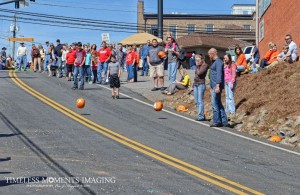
[[201, 16], [209, 40]]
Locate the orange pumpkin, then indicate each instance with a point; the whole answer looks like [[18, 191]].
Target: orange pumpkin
[[181, 108], [275, 138], [80, 103], [158, 106], [162, 54]]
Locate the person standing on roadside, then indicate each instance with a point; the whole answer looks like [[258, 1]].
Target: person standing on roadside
[[120, 55], [47, 57], [79, 67], [58, 56], [130, 61], [104, 54], [35, 53], [70, 59], [199, 85], [156, 65], [230, 84], [172, 51], [144, 54], [217, 85]]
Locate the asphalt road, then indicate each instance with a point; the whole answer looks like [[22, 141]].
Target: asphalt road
[[42, 146]]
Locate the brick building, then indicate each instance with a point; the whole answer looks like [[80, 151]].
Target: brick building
[[240, 26], [278, 18]]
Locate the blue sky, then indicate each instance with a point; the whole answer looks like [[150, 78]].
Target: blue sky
[[112, 10]]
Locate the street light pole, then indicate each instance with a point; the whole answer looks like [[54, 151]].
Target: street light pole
[[14, 36], [160, 19]]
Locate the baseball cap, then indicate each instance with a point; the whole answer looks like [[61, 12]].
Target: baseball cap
[[58, 41]]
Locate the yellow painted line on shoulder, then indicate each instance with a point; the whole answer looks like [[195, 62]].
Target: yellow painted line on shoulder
[[133, 144]]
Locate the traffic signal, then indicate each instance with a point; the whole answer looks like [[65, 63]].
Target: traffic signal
[[32, 0]]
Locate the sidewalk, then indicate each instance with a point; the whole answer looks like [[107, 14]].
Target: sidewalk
[[145, 84]]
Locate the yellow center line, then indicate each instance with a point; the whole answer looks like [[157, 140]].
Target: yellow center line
[[133, 144]]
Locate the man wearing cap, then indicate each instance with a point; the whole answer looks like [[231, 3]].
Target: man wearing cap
[[47, 56], [3, 57], [58, 55], [22, 56]]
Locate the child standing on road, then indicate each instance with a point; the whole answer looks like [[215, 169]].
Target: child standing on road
[[114, 72], [70, 58], [88, 62]]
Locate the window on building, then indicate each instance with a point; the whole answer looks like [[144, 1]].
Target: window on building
[[209, 27], [245, 12], [247, 27], [173, 30], [191, 28], [154, 30]]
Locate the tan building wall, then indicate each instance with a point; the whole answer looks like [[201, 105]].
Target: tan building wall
[[145, 22]]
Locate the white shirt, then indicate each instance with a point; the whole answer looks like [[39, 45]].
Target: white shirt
[[293, 50], [22, 51]]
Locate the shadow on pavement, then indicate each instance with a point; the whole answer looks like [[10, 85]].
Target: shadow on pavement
[[8, 135], [5, 159], [55, 166]]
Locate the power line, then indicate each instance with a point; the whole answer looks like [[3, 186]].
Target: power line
[[114, 24]]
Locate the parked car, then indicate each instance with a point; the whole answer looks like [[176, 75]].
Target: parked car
[[248, 50]]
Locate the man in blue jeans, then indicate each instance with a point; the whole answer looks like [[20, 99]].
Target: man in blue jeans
[[104, 54], [217, 84], [58, 55], [47, 56], [144, 54], [79, 67], [172, 51]]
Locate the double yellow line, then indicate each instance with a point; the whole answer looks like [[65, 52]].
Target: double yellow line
[[162, 157]]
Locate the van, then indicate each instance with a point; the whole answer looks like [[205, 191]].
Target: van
[[248, 50]]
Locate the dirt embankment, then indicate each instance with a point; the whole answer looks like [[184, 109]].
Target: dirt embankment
[[268, 103]]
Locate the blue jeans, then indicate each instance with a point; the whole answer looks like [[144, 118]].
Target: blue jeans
[[102, 66], [130, 72], [219, 114], [22, 60], [79, 70], [172, 70], [87, 70], [46, 62], [229, 94], [134, 69], [59, 65], [193, 67], [240, 68], [145, 68], [199, 99]]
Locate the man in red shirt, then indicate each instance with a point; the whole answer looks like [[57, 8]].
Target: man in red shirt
[[104, 54], [79, 67]]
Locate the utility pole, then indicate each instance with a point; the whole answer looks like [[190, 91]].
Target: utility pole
[[256, 22], [14, 36], [160, 19]]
